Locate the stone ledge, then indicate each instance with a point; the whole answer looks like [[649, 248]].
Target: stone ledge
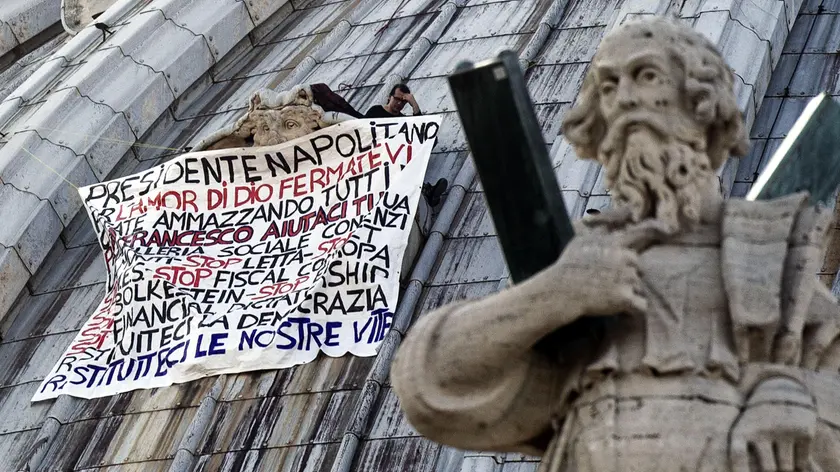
[[110, 78], [260, 10], [90, 129], [222, 22], [147, 40]]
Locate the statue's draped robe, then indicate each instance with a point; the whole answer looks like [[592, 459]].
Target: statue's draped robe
[[738, 300]]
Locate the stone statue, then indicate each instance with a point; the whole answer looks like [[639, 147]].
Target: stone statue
[[721, 351], [274, 118]]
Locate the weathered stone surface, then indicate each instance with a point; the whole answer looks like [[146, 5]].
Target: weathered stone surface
[[13, 277], [21, 20], [30, 226], [716, 330]]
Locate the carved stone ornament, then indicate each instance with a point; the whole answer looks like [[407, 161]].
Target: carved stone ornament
[[721, 351], [76, 14], [273, 118]]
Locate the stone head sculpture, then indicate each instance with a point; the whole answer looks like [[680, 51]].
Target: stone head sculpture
[[274, 126], [273, 118], [657, 110]]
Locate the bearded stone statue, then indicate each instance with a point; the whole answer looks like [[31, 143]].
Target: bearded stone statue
[[722, 351]]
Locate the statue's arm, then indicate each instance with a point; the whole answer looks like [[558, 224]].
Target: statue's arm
[[467, 374]]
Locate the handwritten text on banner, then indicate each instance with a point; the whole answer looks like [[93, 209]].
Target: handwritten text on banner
[[247, 259]]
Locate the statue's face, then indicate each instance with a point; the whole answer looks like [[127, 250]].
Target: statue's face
[[653, 150], [270, 127], [657, 111], [635, 79]]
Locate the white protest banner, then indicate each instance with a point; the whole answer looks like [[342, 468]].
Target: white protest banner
[[249, 259]]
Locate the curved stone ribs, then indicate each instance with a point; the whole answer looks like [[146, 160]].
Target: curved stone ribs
[[75, 118], [22, 20]]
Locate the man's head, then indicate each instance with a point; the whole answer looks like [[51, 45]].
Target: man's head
[[397, 99], [657, 110]]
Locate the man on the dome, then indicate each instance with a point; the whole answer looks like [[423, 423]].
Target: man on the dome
[[400, 95]]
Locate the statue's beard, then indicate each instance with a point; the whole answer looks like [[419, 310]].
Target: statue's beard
[[656, 175]]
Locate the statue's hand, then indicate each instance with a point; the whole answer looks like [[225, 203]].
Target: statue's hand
[[777, 426], [601, 270]]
